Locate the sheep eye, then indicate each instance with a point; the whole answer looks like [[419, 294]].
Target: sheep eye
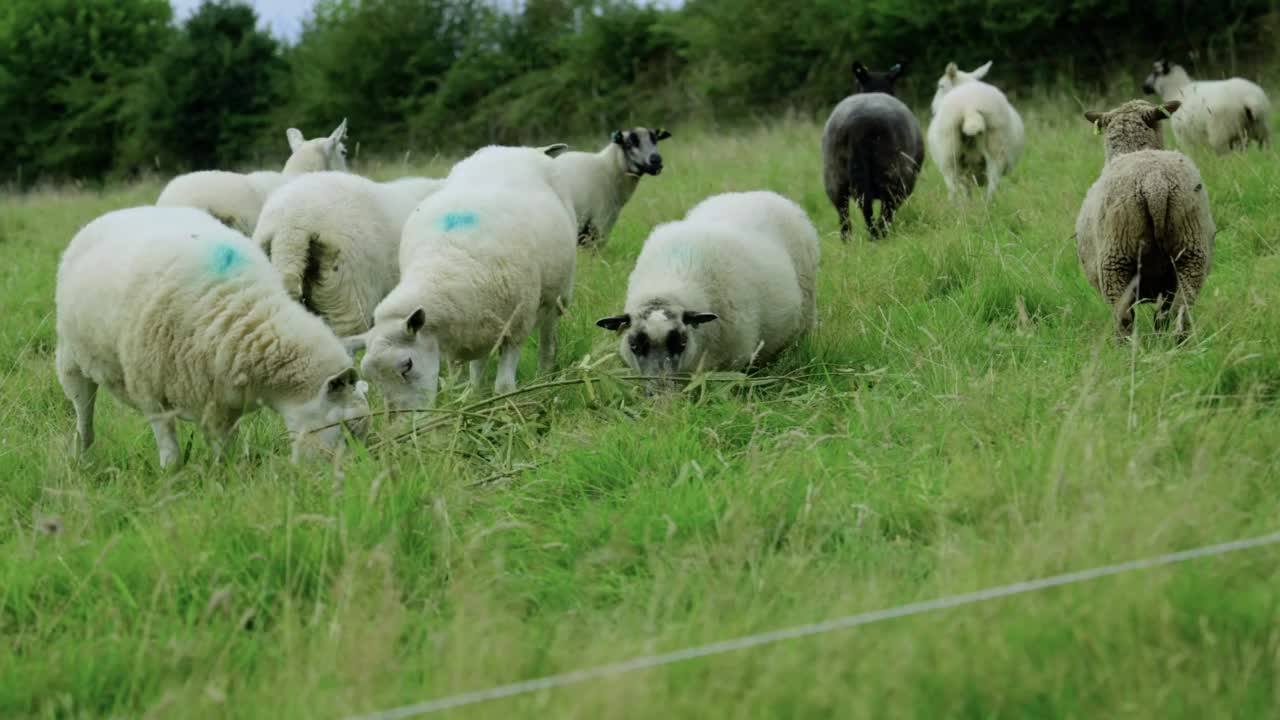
[[406, 367], [639, 344]]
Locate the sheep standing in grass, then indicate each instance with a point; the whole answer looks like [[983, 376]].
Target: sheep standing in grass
[[482, 261], [975, 136], [601, 183], [335, 239], [181, 317], [236, 199], [728, 287], [1144, 232], [872, 149], [1223, 114]]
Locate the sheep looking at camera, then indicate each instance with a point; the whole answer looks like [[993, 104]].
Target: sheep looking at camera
[[602, 183]]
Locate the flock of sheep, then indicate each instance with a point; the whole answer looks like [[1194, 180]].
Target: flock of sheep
[[237, 291]]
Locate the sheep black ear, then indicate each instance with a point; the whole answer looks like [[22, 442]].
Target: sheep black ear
[[618, 139], [614, 323], [694, 319], [343, 380], [859, 70], [897, 70], [1170, 107], [554, 150], [415, 321], [1161, 112], [662, 134], [1093, 116]]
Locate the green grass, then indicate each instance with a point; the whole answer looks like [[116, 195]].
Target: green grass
[[960, 419]]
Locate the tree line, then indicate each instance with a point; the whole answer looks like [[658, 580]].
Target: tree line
[[98, 89]]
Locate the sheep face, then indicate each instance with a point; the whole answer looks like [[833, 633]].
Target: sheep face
[[881, 82], [1166, 79], [640, 148], [659, 341], [316, 423], [953, 76], [402, 360], [1133, 126]]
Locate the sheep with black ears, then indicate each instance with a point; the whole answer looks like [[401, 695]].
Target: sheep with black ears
[[975, 135], [1144, 231], [1223, 114], [335, 239], [872, 149], [728, 287], [236, 199], [602, 183], [482, 261], [182, 317]]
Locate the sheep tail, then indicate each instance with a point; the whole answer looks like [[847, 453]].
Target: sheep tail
[[973, 123], [862, 174], [1156, 189], [296, 256]]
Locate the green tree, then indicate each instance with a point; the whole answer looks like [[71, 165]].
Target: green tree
[[208, 97], [67, 64]]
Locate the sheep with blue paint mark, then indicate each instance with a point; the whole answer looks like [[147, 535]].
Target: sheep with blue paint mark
[[726, 288], [335, 239], [181, 317], [482, 261], [236, 199]]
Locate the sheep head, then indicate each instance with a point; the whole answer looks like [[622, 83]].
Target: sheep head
[[881, 82], [1133, 126], [640, 148]]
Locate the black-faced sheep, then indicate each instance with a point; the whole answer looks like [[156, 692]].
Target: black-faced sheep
[[872, 149]]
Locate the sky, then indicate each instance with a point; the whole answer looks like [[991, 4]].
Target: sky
[[282, 17]]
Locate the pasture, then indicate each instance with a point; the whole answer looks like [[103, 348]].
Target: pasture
[[961, 418]]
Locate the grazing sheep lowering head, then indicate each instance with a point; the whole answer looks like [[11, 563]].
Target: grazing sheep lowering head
[[881, 82], [660, 339], [327, 153], [1133, 126], [402, 359], [317, 423], [640, 147], [953, 76]]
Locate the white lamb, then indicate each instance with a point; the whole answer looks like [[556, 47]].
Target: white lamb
[[728, 287], [601, 183], [976, 136], [181, 317], [236, 199], [1223, 114], [335, 240], [481, 261]]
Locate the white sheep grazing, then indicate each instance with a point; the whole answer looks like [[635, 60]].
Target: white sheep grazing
[[601, 183], [482, 261], [975, 135], [236, 199], [1223, 114], [182, 317], [335, 240], [1144, 232], [728, 287]]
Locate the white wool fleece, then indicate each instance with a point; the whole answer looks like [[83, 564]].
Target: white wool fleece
[[335, 240], [975, 134], [181, 317]]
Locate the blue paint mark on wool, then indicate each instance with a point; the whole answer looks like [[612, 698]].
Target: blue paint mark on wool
[[226, 259], [458, 220]]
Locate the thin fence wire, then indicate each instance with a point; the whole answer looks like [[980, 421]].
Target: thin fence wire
[[843, 623]]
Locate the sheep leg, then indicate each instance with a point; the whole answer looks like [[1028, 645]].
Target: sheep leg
[[477, 373], [1120, 288], [548, 321], [1164, 306], [867, 204], [842, 210], [83, 393], [887, 209], [993, 176], [508, 360], [1190, 267], [220, 441], [165, 430]]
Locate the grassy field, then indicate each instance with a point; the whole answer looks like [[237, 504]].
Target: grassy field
[[961, 418]]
